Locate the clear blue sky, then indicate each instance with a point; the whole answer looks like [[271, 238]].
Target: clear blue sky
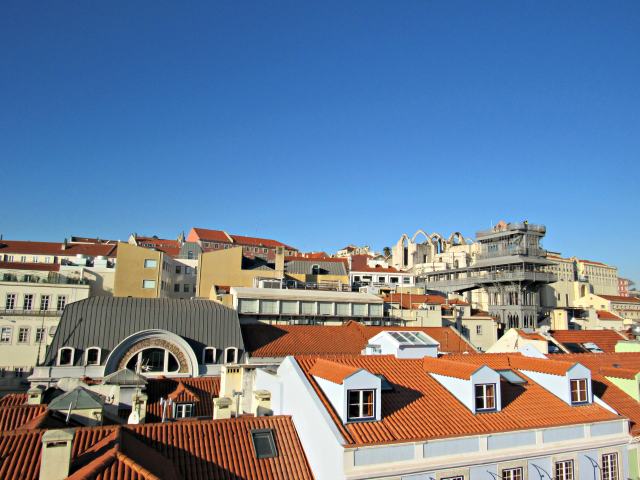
[[323, 123]]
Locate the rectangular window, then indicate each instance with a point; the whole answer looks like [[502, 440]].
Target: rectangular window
[[176, 287], [564, 470], [478, 329], [178, 269], [485, 397], [360, 309], [326, 308], [11, 301], [361, 404], [27, 303], [289, 307], [5, 335], [248, 249], [226, 246], [579, 391], [256, 250], [23, 258], [343, 309], [268, 306], [34, 259], [186, 288], [149, 263], [610, 466], [247, 306], [375, 310], [184, 410], [512, 474], [148, 284], [23, 335], [18, 372], [62, 302], [264, 445], [308, 308], [216, 245], [406, 280], [187, 270], [47, 259], [264, 250], [40, 332], [9, 258], [44, 302], [2, 371], [458, 477], [206, 244]]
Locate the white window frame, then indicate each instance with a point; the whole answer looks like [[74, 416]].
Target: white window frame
[[610, 471], [47, 259], [64, 301], [513, 473], [484, 396], [59, 357], [564, 470], [579, 391], [23, 258], [361, 404], [235, 355], [204, 355], [478, 329], [43, 331], [27, 297], [14, 299], [180, 410], [9, 337], [145, 282], [86, 356], [42, 302], [216, 245]]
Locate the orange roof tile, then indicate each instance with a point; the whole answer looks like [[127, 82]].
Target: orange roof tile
[[43, 267], [276, 341], [619, 299], [420, 408], [405, 300], [625, 373], [531, 336], [13, 399], [605, 339], [202, 388], [541, 365], [197, 450], [14, 417], [208, 236], [332, 371], [54, 248], [265, 242], [449, 368], [605, 315]]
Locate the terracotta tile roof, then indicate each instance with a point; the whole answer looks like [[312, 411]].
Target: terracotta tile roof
[[276, 341], [457, 301], [41, 267], [532, 336], [557, 367], [604, 315], [619, 299], [264, 242], [449, 368], [208, 236], [605, 339], [332, 371], [47, 419], [593, 263], [13, 399], [420, 408], [359, 261], [483, 314], [405, 300], [91, 240], [54, 248], [198, 450], [317, 255], [625, 373], [199, 390], [12, 418], [367, 269]]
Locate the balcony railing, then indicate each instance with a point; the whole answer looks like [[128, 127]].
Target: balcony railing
[[495, 277], [538, 252], [61, 280], [511, 227], [32, 313]]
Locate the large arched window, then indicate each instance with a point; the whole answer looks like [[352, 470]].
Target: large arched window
[[154, 360]]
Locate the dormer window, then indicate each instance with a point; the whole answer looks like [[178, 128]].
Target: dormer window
[[183, 410], [485, 397], [361, 405], [209, 355], [93, 356], [315, 270], [65, 356], [231, 355], [579, 391]]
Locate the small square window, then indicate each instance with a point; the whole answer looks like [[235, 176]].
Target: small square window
[[264, 445], [5, 335], [564, 470], [579, 391], [264, 250], [148, 284], [18, 372], [361, 404], [35, 259], [206, 244], [216, 245], [149, 263], [183, 410], [485, 397]]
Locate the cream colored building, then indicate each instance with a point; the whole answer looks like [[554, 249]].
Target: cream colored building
[[628, 308], [33, 296], [352, 250]]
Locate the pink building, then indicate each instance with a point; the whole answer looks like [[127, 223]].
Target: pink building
[[623, 287]]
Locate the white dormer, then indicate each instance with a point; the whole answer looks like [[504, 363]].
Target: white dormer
[[569, 382], [405, 344], [356, 395], [477, 387]]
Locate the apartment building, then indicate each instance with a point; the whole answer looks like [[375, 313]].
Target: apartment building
[[623, 287], [627, 308], [252, 247]]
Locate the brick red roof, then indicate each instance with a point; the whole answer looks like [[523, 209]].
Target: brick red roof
[[13, 399], [593, 263], [359, 261], [605, 339], [420, 408], [379, 269], [41, 267], [219, 236], [619, 299], [332, 371], [258, 242], [199, 450], [54, 249], [625, 373], [277, 341], [449, 368], [532, 336], [200, 390], [14, 417], [605, 315]]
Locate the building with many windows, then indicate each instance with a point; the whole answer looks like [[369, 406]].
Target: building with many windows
[[252, 247]]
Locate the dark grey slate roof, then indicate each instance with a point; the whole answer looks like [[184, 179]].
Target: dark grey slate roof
[[193, 247], [306, 268], [105, 321], [80, 398], [124, 377], [256, 264]]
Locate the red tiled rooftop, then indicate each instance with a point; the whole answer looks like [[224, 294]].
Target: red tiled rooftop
[[41, 267], [605, 339], [406, 300], [54, 248], [449, 368], [14, 417], [264, 242], [202, 388], [332, 371], [605, 315], [208, 236], [13, 399], [420, 408], [619, 299], [531, 336], [277, 341]]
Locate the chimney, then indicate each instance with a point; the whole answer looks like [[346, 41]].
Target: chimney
[[64, 244], [222, 408], [140, 405], [262, 403], [56, 454], [35, 395], [280, 261]]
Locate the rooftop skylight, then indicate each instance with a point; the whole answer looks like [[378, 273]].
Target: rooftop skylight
[[411, 338]]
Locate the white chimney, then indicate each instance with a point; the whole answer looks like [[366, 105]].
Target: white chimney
[[35, 395], [56, 454], [222, 408], [262, 403]]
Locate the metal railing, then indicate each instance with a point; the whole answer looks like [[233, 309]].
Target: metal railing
[[495, 277], [538, 252], [33, 313], [61, 280], [510, 227]]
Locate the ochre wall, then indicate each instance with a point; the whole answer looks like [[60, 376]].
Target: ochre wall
[[130, 272]]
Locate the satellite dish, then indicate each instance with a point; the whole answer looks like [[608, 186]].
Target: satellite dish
[[134, 418]]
